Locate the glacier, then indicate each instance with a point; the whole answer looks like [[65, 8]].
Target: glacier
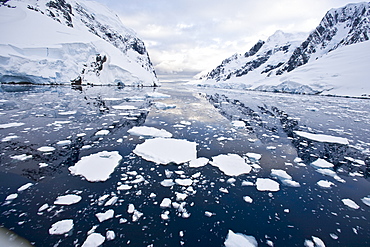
[[64, 41]]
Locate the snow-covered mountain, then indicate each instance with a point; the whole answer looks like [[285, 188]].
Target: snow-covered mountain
[[64, 41], [280, 63]]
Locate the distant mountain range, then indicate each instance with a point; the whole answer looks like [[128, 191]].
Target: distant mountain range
[[64, 41], [273, 65]]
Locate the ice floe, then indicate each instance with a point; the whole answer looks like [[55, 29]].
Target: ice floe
[[266, 184], [21, 157], [105, 215], [67, 199], [315, 242], [102, 133], [350, 203], [149, 131], [248, 199], [94, 240], [124, 107], [157, 95], [46, 149], [184, 182], [323, 138], [96, 167], [238, 124], [366, 200], [325, 184], [9, 138], [231, 164], [66, 113], [61, 227], [239, 240], [64, 142], [199, 162], [321, 163], [163, 106], [10, 125], [284, 177], [24, 187], [166, 203], [165, 151]]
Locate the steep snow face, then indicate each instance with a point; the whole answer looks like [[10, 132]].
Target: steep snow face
[[261, 60], [339, 27], [63, 40]]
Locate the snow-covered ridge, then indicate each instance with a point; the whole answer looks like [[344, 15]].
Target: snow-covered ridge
[[319, 63], [63, 40]]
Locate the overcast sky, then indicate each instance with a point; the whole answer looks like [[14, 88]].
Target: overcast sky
[[186, 37]]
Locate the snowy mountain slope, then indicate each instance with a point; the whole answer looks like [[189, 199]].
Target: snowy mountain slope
[[338, 29], [341, 72], [261, 60], [63, 40]]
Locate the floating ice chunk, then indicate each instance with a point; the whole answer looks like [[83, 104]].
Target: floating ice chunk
[[96, 167], [254, 156], [65, 113], [266, 184], [247, 183], [43, 207], [21, 157], [157, 95], [11, 197], [231, 164], [124, 187], [149, 131], [167, 183], [350, 203], [61, 227], [315, 242], [131, 208], [9, 138], [331, 173], [321, 163], [366, 200], [111, 201], [10, 125], [323, 138], [209, 214], [281, 174], [238, 124], [67, 200], [105, 216], [165, 215], [24, 187], [64, 142], [184, 182], [94, 240], [110, 235], [124, 107], [102, 133], [166, 203], [111, 99], [181, 196], [239, 240], [198, 162], [284, 177], [324, 184], [136, 216], [164, 151], [185, 122], [163, 106], [248, 199], [224, 190], [46, 149]]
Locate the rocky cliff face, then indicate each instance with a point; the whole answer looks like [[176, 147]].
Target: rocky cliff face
[[283, 53], [79, 18]]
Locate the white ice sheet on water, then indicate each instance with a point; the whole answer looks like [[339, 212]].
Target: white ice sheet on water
[[61, 227], [231, 164], [165, 151], [323, 138], [97, 167], [239, 240], [149, 131]]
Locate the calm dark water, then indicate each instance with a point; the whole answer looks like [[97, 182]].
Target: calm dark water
[[286, 218]]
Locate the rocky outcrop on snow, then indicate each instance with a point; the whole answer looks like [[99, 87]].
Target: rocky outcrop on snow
[[59, 41], [291, 63]]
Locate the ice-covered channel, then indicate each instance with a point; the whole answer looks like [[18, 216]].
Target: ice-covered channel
[[181, 166]]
